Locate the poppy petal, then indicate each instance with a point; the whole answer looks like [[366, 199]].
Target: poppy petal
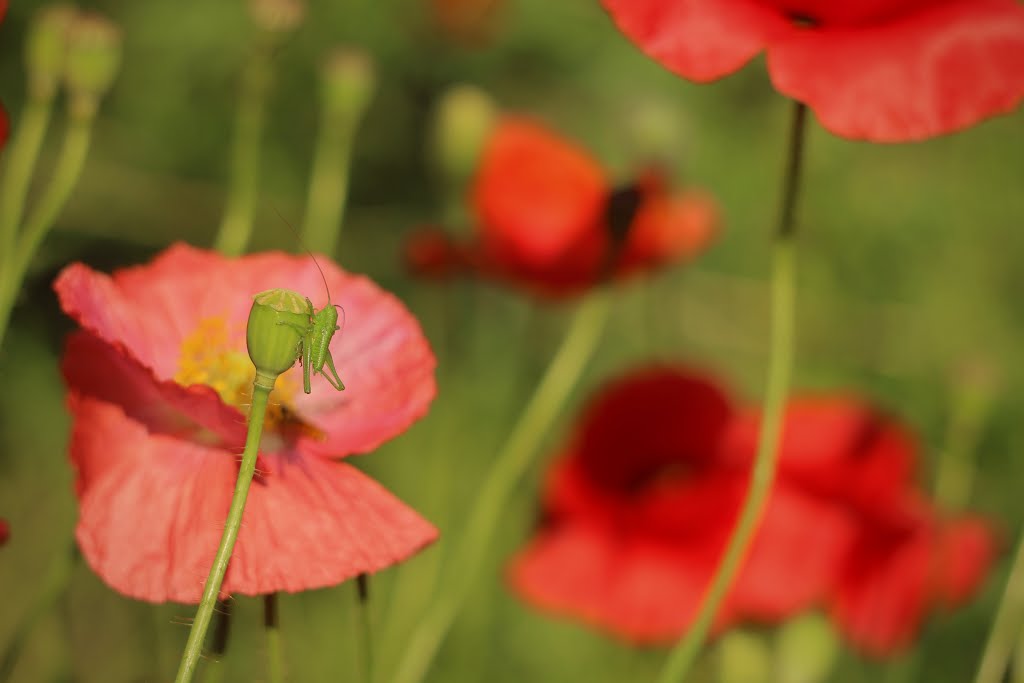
[[925, 73], [701, 40], [308, 523], [641, 590], [96, 369]]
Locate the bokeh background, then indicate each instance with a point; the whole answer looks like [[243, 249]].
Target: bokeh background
[[910, 286]]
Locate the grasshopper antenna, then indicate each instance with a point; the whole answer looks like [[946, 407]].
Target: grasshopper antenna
[[302, 244]]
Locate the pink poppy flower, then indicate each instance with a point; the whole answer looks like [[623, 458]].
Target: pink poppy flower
[[159, 381], [881, 70]]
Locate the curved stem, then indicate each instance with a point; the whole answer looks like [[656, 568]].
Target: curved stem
[[780, 368], [515, 456], [365, 626], [69, 167], [328, 184], [1007, 625], [236, 225], [194, 646], [275, 655], [56, 584], [24, 151]]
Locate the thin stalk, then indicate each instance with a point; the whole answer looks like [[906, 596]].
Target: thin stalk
[[971, 403], [24, 152], [492, 499], [275, 655], [365, 626], [1006, 628], [56, 584], [236, 224], [194, 646], [780, 369], [69, 168], [328, 184], [214, 671]]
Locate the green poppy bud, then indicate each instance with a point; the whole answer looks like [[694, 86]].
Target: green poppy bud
[[45, 49], [348, 83], [277, 16], [743, 658], [463, 120], [274, 333], [93, 59], [806, 650]]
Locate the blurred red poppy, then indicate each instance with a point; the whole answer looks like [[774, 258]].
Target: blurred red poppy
[[5, 531], [906, 558], [547, 219], [639, 509], [159, 380], [881, 70]]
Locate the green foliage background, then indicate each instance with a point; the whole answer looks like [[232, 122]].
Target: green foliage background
[[910, 272]]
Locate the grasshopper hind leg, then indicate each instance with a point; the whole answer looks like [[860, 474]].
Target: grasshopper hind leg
[[332, 378]]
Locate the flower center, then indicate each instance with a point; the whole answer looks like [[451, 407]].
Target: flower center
[[211, 356]]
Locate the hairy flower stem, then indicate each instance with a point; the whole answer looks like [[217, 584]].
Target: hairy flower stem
[[492, 498], [1006, 629], [780, 369], [275, 655], [365, 626], [194, 647], [236, 224], [69, 168], [214, 671]]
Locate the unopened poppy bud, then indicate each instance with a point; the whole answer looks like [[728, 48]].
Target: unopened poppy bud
[[463, 120], [277, 16], [807, 649], [743, 658], [45, 49], [348, 83], [273, 334], [93, 59], [657, 132]]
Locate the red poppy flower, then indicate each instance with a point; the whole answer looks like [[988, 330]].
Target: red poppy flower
[[546, 218], [5, 126], [638, 512], [882, 70], [5, 531], [159, 382], [906, 558]]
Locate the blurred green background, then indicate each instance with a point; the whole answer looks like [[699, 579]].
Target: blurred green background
[[910, 278]]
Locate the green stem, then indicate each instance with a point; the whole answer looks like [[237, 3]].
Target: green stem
[[24, 151], [55, 586], [236, 225], [780, 367], [275, 656], [971, 401], [365, 625], [194, 647], [44, 215], [1006, 628], [328, 184], [214, 671], [492, 499]]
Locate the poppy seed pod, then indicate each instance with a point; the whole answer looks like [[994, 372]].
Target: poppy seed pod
[[93, 59], [45, 49], [348, 83], [272, 334]]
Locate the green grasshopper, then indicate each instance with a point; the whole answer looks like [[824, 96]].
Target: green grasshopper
[[317, 334]]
